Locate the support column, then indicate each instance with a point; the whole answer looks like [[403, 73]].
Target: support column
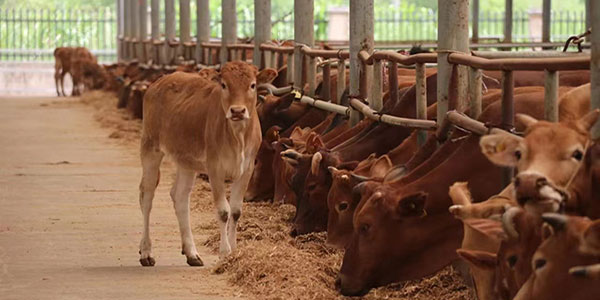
[[142, 29], [588, 17], [135, 28], [169, 28], [453, 35], [120, 30], [228, 27], [303, 15], [475, 17], [262, 28], [361, 37], [508, 20], [202, 27], [155, 31], [127, 29], [184, 26], [595, 61], [546, 19]]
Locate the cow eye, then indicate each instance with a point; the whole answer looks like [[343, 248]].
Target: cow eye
[[577, 155], [518, 154], [223, 85], [253, 85], [311, 186], [512, 260], [539, 263], [343, 206], [364, 228]]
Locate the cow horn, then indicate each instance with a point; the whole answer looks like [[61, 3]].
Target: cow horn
[[290, 153], [332, 169], [508, 223], [557, 221], [592, 271], [359, 178]]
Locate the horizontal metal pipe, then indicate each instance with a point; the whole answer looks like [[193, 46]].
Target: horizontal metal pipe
[[276, 48], [526, 54], [514, 64], [400, 58], [240, 46], [275, 90], [324, 105], [474, 126], [325, 53], [392, 120]]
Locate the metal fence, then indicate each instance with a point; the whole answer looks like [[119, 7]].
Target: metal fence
[[32, 34]]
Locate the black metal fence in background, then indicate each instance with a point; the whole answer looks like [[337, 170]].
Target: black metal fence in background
[[33, 34]]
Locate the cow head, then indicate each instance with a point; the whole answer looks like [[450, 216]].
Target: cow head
[[279, 111], [261, 182], [397, 236], [340, 201], [546, 158], [584, 191], [565, 245], [238, 82]]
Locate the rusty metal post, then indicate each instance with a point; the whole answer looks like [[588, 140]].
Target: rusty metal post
[[595, 62], [421, 86], [262, 27], [453, 35], [475, 24], [546, 19], [169, 28], [508, 114], [303, 35], [120, 30], [143, 29], [202, 27], [551, 96], [475, 94], [341, 80], [326, 87], [289, 75], [508, 20], [361, 38], [311, 75], [228, 27], [376, 100]]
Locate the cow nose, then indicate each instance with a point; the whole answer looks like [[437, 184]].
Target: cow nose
[[338, 283], [237, 110], [528, 186], [294, 233]]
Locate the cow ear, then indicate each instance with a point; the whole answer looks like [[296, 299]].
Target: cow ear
[[479, 259], [316, 163], [592, 236], [526, 120], [395, 173], [412, 205], [381, 167], [284, 102], [266, 76], [587, 121], [501, 148]]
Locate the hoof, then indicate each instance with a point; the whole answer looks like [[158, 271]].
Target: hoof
[[195, 261], [147, 262]]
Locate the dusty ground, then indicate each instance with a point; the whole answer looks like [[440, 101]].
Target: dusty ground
[[269, 265]]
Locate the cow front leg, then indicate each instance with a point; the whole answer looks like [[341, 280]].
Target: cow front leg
[[217, 184], [180, 193], [238, 189]]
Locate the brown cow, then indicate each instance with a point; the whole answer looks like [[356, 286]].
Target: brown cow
[[562, 249], [79, 57], [62, 66], [207, 126]]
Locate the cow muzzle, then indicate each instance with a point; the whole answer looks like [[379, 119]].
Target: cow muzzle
[[345, 287], [237, 113], [536, 193]]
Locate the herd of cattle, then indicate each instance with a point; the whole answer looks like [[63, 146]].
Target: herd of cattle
[[401, 211]]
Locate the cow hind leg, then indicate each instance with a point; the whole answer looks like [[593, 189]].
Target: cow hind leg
[[238, 189], [217, 184], [151, 160], [180, 193]]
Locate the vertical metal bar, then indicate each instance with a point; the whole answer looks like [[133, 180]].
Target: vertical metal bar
[[262, 27], [341, 80], [155, 31], [508, 20], [303, 35], [202, 27], [475, 17], [376, 100], [588, 17], [228, 27], [274, 60], [169, 28], [326, 87], [453, 35], [595, 62], [143, 28], [551, 96], [393, 81], [290, 69], [361, 37], [184, 27], [546, 19], [508, 113], [135, 27], [475, 95], [126, 29], [421, 86]]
